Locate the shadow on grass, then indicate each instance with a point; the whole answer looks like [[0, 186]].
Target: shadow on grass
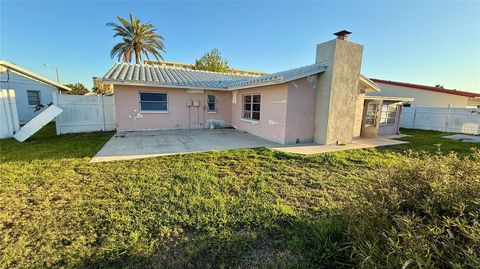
[[288, 242], [45, 144]]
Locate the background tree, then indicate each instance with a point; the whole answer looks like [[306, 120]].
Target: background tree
[[137, 38], [102, 90], [439, 86], [212, 61], [77, 88]]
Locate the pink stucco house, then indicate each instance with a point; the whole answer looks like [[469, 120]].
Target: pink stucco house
[[324, 102]]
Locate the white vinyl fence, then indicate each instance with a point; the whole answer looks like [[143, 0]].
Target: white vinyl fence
[[85, 113], [454, 120], [8, 114]]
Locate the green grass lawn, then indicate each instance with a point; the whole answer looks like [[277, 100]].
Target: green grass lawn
[[432, 142], [241, 208]]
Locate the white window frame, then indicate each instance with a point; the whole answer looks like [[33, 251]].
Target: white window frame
[[152, 111], [39, 98], [386, 114], [214, 103], [251, 107]]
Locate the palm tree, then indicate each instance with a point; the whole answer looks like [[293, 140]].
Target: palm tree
[[137, 38]]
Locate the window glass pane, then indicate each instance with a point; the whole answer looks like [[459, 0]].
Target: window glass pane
[[392, 108], [211, 98], [256, 115], [153, 97], [256, 98], [247, 114], [33, 98], [370, 119], [211, 102], [391, 121], [256, 107], [247, 106], [384, 114], [247, 98], [383, 117], [159, 106]]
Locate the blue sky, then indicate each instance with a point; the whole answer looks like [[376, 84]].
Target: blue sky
[[419, 42]]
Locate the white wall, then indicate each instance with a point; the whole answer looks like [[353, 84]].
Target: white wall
[[456, 120], [8, 113], [85, 113], [423, 98], [21, 84]]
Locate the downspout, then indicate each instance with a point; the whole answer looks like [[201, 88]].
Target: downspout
[[205, 108], [399, 115]]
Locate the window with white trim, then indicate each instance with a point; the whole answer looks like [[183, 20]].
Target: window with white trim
[[212, 103], [388, 114], [153, 102], [33, 98], [251, 107]]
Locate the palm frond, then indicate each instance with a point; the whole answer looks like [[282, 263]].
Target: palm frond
[[139, 38]]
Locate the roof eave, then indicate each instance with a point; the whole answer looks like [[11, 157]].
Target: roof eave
[[27, 73], [426, 88], [143, 84], [389, 98], [321, 69], [369, 84]]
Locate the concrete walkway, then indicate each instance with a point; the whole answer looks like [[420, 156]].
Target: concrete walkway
[[358, 143], [464, 138], [144, 144]]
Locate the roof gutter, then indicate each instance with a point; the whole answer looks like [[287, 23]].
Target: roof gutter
[[144, 84], [389, 98], [27, 73]]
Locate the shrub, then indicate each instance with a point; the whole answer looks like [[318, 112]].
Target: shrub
[[421, 212]]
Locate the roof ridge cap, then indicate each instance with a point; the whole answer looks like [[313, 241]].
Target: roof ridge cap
[[189, 69]]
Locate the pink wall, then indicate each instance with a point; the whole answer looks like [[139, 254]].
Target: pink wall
[[273, 111], [297, 97], [127, 100], [302, 96]]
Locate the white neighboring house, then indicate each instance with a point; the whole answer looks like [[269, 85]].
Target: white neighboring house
[[30, 89], [427, 96]]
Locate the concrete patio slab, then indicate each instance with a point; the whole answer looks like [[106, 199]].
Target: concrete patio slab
[[144, 144], [358, 143]]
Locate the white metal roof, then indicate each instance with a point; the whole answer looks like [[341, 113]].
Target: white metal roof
[[30, 74], [150, 75]]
